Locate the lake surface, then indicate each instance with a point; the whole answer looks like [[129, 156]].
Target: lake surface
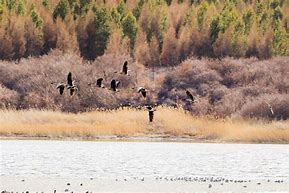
[[78, 159]]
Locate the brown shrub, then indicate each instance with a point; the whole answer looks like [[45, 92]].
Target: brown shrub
[[224, 88], [8, 98], [258, 108], [227, 87]]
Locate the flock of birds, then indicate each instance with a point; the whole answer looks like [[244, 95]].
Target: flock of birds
[[210, 181], [71, 86], [114, 87]]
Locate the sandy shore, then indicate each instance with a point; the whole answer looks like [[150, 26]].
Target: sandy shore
[[148, 138], [16, 184]]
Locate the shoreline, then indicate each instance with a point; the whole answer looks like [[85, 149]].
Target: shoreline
[[140, 184], [168, 139]]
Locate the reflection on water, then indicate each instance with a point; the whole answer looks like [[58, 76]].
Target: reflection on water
[[137, 159]]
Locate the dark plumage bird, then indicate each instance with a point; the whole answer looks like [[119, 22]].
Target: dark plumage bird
[[151, 113], [73, 90], [69, 80], [98, 83], [191, 98], [61, 87], [143, 91], [71, 84], [125, 68], [114, 84]]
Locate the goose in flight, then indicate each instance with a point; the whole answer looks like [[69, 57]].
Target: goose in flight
[[98, 83], [71, 84], [60, 87], [151, 112], [125, 69], [191, 98], [143, 91], [114, 84]]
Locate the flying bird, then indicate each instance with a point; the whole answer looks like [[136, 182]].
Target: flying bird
[[151, 112], [191, 98], [73, 90], [71, 84], [114, 84], [69, 80], [60, 87], [125, 69], [143, 91], [98, 83]]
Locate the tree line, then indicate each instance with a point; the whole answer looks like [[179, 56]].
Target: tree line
[[153, 32]]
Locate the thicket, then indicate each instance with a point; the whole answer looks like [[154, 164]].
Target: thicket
[[153, 32], [225, 88]]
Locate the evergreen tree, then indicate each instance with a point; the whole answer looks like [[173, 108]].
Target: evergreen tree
[[61, 9], [130, 28]]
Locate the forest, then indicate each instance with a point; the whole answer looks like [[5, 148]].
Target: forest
[[152, 32]]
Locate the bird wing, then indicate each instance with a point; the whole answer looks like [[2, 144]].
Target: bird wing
[[69, 79], [117, 83], [189, 94], [61, 89], [125, 68], [112, 84]]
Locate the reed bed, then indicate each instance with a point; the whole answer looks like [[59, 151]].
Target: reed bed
[[132, 122]]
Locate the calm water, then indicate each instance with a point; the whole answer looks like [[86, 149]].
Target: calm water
[[131, 159]]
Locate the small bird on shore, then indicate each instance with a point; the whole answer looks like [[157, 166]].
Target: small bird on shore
[[114, 84], [143, 91]]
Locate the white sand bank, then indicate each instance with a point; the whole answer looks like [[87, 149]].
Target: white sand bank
[[12, 184]]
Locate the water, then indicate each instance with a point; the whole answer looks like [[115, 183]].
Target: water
[[136, 159]]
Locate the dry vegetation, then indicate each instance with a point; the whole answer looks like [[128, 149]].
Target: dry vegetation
[[127, 122], [171, 46], [232, 99], [225, 88]]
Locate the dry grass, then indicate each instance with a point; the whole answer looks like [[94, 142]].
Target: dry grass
[[127, 122]]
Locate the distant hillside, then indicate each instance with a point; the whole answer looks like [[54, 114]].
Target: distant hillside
[[153, 32]]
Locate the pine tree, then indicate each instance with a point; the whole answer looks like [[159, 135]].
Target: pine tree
[[61, 10], [130, 28]]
